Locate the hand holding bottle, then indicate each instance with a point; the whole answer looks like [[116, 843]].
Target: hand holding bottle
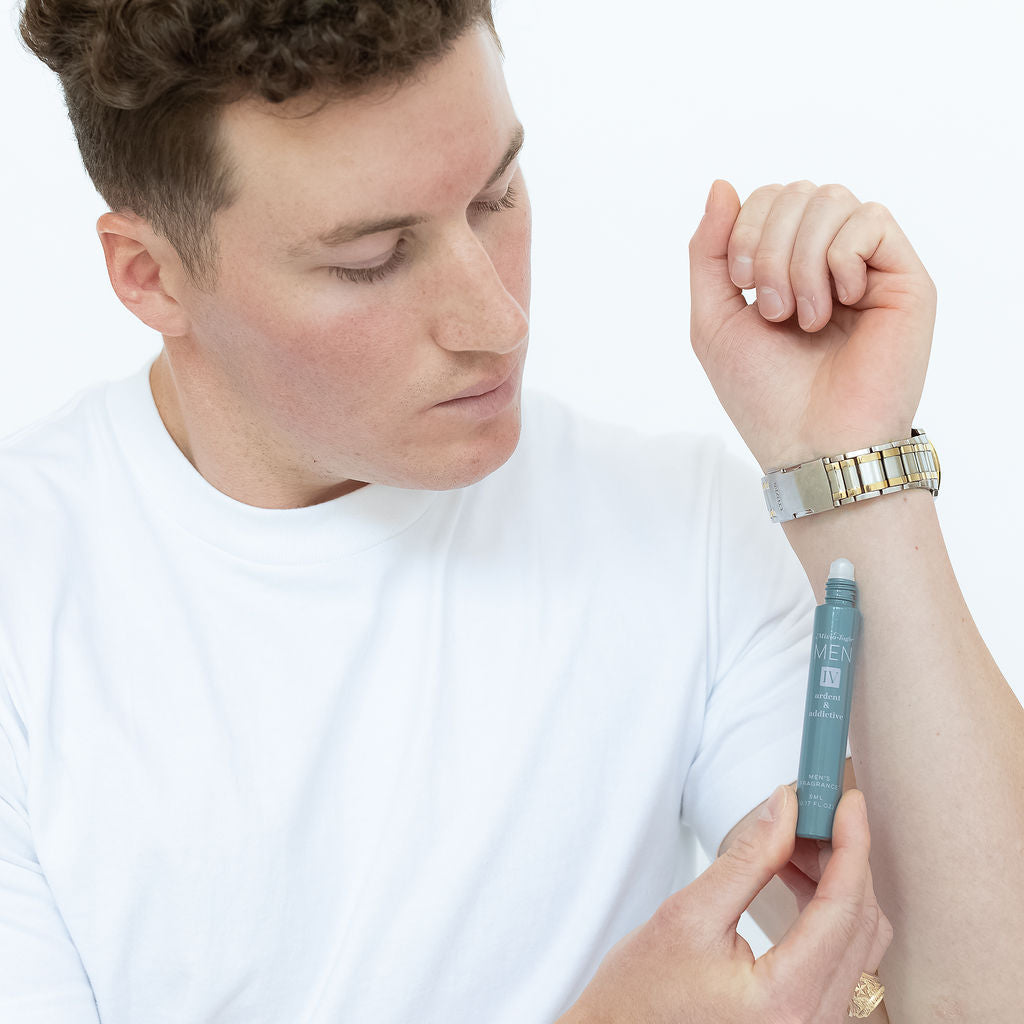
[[688, 965]]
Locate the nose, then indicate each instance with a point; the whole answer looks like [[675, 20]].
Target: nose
[[475, 311]]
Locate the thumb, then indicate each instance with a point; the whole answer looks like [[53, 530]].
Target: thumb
[[757, 853], [713, 296]]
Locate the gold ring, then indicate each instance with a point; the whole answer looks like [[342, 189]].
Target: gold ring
[[867, 996]]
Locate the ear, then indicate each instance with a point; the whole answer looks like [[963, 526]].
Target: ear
[[145, 272]]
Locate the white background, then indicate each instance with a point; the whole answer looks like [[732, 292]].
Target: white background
[[913, 105]]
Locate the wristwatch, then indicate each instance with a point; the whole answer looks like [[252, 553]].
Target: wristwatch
[[834, 480]]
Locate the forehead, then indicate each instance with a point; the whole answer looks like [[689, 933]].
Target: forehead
[[394, 150]]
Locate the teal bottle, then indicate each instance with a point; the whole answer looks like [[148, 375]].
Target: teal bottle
[[829, 699]]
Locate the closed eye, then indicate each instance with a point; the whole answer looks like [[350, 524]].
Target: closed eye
[[369, 275], [506, 202]]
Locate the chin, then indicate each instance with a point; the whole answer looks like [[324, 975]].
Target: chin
[[470, 463]]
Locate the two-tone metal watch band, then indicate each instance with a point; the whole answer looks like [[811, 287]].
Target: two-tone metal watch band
[[836, 480]]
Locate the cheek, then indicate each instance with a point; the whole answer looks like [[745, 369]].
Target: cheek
[[353, 357], [299, 320], [306, 354]]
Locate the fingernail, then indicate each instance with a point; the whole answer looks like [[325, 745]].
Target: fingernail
[[806, 313], [743, 270], [769, 303], [773, 806], [711, 194]]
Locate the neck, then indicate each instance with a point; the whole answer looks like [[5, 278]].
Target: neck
[[222, 444]]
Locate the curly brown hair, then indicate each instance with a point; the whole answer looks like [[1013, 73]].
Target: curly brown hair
[[144, 81]]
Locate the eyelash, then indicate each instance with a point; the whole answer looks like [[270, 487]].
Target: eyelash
[[369, 275]]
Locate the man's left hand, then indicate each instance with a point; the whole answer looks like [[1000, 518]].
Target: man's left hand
[[839, 362]]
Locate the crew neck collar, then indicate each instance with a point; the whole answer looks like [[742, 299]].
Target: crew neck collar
[[317, 533]]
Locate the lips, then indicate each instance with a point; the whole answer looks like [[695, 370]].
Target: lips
[[482, 387]]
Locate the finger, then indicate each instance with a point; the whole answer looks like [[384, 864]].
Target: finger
[[863, 955], [831, 922], [775, 299], [801, 875], [799, 884], [746, 234], [713, 296], [716, 899], [826, 212], [871, 238], [807, 857]]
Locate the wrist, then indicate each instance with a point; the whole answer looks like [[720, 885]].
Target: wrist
[[827, 482], [830, 442], [875, 535]]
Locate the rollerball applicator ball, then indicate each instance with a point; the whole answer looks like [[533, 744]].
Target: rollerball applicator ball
[[841, 569], [829, 699]]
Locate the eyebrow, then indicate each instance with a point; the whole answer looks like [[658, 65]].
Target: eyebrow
[[342, 233]]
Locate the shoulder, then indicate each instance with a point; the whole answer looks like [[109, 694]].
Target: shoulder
[[48, 483], [49, 470], [547, 418], [567, 452], [657, 507], [46, 453]]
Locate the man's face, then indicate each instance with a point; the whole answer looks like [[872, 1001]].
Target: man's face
[[330, 379]]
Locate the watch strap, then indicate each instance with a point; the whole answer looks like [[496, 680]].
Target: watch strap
[[834, 480]]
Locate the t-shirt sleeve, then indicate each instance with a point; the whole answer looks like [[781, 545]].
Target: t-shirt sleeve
[[42, 979], [760, 615]]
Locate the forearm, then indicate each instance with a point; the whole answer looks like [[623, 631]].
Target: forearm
[[937, 738]]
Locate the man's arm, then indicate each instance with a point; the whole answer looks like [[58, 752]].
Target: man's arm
[[937, 738], [42, 978], [936, 733]]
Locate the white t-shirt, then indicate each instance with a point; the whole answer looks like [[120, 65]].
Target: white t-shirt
[[403, 756]]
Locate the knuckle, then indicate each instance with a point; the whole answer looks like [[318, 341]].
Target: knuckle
[[673, 912], [885, 930], [673, 926], [743, 240], [807, 281], [834, 191], [743, 853], [847, 917], [922, 294], [805, 270], [802, 187], [875, 211], [766, 190], [842, 254], [768, 259], [807, 260], [872, 915]]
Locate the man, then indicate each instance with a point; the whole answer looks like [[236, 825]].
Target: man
[[346, 689]]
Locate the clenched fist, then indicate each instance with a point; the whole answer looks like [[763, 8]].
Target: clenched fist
[[832, 354]]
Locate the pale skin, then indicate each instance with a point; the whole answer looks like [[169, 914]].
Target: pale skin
[[947, 853], [944, 851], [285, 386], [689, 964]]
